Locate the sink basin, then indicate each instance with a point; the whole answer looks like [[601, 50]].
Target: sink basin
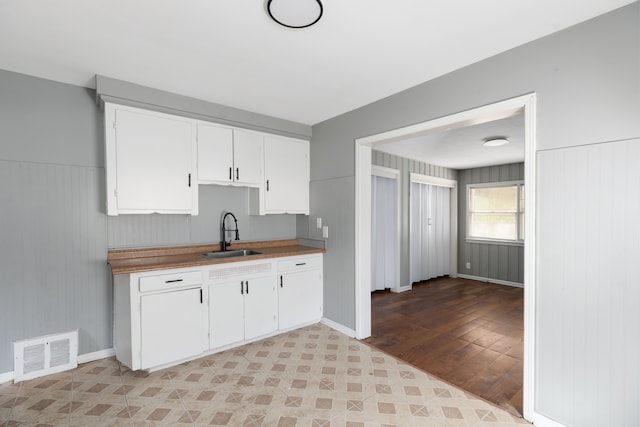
[[230, 254]]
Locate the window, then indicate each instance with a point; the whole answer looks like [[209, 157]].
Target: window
[[496, 212]]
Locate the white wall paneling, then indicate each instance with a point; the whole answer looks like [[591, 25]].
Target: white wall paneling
[[589, 238]]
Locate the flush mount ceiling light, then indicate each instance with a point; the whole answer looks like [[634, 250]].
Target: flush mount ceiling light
[[495, 141], [295, 13]]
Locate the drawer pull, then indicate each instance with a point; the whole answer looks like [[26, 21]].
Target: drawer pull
[[173, 281], [301, 263]]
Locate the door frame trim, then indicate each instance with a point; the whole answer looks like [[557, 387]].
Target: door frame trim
[[502, 109]]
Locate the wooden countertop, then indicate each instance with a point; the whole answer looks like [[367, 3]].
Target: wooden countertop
[[125, 261]]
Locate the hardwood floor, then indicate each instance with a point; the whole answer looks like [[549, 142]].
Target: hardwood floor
[[465, 332]]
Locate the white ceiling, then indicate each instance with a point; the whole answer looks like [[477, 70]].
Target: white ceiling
[[230, 52], [463, 148]]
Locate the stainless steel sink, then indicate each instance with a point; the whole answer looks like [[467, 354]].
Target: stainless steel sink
[[230, 254]]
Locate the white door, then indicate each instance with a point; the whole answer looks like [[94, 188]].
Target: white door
[[287, 175], [430, 224], [154, 162], [383, 233], [299, 298], [226, 313], [248, 159], [171, 326], [260, 307], [215, 153]]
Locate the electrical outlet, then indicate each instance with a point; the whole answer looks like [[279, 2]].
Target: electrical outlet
[[318, 223], [468, 266], [325, 232]]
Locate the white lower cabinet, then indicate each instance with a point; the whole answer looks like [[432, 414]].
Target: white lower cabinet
[[241, 309], [160, 318], [171, 326], [299, 291], [169, 316]]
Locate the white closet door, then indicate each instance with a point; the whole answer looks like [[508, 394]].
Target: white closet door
[[430, 231], [383, 231]]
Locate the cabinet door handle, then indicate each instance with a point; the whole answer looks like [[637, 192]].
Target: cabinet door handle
[[237, 174], [267, 185], [200, 295], [173, 281], [242, 287], [230, 174], [301, 263], [189, 180], [281, 280], [247, 282]]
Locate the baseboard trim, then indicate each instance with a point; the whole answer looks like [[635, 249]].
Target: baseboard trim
[[96, 355], [338, 327], [542, 421], [401, 289], [5, 377], [490, 280]]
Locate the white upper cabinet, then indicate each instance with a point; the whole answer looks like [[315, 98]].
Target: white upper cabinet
[[247, 157], [229, 156], [155, 161], [150, 162], [286, 173]]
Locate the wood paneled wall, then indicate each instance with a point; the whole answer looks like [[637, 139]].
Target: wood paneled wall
[[490, 261]]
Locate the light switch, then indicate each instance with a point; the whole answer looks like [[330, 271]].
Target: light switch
[[318, 222], [325, 232]]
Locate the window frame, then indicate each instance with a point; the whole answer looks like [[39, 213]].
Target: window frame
[[519, 213]]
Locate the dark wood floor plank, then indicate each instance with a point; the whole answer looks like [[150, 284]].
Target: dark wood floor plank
[[466, 332]]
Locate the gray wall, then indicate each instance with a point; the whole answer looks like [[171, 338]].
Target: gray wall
[[491, 261], [587, 81], [54, 235], [406, 167]]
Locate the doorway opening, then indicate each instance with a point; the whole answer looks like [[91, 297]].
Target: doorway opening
[[363, 147]]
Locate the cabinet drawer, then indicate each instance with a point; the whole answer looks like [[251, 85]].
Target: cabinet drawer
[[170, 281], [299, 263]]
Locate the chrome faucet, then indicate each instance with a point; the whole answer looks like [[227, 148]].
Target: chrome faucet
[[224, 244]]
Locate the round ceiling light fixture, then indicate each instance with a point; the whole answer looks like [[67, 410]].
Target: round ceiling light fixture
[[495, 141], [295, 13]]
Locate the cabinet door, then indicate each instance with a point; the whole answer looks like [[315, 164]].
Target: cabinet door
[[299, 298], [247, 156], [215, 153], [226, 313], [286, 164], [260, 307], [171, 327], [154, 162]]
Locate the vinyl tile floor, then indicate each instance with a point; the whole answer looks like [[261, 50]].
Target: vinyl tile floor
[[313, 376]]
